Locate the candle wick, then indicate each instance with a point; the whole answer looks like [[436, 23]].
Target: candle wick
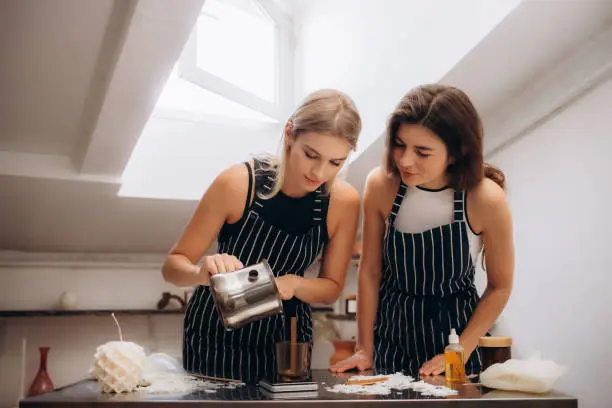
[[118, 327]]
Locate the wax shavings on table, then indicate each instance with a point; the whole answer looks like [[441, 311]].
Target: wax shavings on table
[[398, 381], [171, 383], [122, 367]]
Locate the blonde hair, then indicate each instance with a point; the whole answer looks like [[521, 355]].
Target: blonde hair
[[324, 111]]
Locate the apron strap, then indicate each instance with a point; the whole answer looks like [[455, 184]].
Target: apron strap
[[319, 209], [264, 182], [401, 192], [458, 206], [248, 203]]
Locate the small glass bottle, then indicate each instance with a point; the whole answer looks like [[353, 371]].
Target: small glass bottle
[[454, 360]]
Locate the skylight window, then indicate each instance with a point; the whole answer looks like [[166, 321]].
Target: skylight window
[[227, 98], [182, 99], [236, 41], [240, 50], [237, 63]]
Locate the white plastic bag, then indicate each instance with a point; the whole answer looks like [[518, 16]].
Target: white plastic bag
[[531, 375], [157, 363]]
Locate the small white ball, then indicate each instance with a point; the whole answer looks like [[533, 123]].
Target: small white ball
[[69, 301]]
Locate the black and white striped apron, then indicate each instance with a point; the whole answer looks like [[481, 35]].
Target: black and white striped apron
[[427, 288], [248, 353]]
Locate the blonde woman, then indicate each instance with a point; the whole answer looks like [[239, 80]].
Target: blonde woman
[[286, 210]]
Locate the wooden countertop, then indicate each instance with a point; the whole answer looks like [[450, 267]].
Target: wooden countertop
[[86, 394]]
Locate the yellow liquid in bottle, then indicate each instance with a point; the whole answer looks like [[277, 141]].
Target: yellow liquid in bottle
[[454, 366]]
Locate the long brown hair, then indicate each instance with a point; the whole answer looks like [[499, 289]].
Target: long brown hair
[[449, 113]]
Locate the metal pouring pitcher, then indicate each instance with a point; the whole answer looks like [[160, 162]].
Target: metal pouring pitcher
[[246, 295]]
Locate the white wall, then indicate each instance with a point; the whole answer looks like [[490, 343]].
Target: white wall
[[73, 339], [108, 281], [376, 54], [560, 192]]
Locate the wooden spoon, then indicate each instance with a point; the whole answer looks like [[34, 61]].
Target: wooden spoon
[[368, 381], [294, 350], [207, 377]]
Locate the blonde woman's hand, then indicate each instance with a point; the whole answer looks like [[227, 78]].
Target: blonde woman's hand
[[220, 263], [360, 360], [287, 284]]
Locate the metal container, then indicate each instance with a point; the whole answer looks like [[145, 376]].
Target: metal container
[[246, 295]]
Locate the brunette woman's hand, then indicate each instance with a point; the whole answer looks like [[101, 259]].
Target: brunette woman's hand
[[360, 360]]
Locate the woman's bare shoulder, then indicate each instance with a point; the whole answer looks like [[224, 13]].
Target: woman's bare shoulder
[[229, 189], [380, 190]]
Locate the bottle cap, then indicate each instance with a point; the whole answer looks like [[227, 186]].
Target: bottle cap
[[453, 338]]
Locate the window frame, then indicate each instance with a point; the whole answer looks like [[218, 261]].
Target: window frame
[[284, 69]]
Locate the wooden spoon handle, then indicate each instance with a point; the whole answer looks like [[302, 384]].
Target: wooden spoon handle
[[206, 377], [293, 350], [293, 337], [368, 381]]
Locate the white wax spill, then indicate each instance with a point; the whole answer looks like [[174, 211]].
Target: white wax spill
[[396, 381]]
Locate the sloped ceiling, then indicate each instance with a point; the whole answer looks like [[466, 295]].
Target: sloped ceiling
[[79, 80], [533, 40]]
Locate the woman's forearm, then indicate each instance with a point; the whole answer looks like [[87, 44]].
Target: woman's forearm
[[487, 311], [180, 271], [317, 290], [367, 304]]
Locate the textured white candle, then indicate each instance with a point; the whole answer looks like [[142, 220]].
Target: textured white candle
[[118, 366]]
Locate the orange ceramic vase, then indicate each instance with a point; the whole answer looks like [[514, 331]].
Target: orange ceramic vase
[[342, 349]]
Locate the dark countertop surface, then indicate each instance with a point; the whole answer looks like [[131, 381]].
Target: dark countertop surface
[[87, 394]]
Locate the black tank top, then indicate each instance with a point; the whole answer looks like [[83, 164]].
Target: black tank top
[[248, 353], [290, 214]]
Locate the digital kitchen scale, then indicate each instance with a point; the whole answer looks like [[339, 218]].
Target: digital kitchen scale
[[288, 395], [280, 387], [289, 390]]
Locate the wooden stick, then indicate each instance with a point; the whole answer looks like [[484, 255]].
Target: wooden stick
[[206, 377], [368, 381], [294, 329], [293, 344]]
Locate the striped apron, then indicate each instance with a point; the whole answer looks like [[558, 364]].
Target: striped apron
[[427, 288], [248, 353]]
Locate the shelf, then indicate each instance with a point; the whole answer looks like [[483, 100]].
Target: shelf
[[94, 312], [105, 312]]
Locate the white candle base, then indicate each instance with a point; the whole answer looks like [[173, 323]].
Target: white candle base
[[118, 366]]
